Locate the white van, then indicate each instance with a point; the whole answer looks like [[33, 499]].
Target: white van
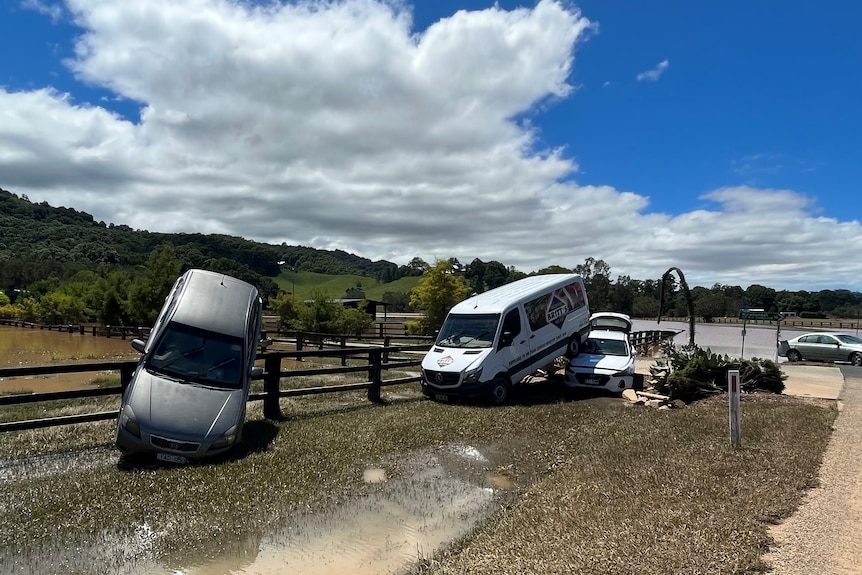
[[494, 339]]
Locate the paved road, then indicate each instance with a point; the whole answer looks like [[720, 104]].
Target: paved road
[[824, 536]]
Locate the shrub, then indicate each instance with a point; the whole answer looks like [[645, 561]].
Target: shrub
[[690, 373]]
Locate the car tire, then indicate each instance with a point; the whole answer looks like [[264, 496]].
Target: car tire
[[573, 348], [500, 389], [856, 359], [794, 355]]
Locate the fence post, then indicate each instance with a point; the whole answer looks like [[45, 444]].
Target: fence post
[[387, 341], [271, 383], [343, 347], [126, 376], [374, 375], [733, 391], [299, 338]]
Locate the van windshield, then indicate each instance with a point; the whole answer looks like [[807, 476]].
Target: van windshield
[[462, 331], [195, 355]]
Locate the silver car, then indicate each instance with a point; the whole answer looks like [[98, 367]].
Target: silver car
[[823, 346], [187, 397]]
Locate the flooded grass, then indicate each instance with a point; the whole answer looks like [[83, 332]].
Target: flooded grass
[[580, 484], [604, 488]]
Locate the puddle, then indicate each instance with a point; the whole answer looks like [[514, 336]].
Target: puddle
[[433, 498]]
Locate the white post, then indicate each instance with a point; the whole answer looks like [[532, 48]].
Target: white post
[[735, 413]]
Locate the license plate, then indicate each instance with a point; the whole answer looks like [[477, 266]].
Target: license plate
[[441, 397], [592, 381], [170, 458]]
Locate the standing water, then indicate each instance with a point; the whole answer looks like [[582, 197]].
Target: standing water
[[27, 347]]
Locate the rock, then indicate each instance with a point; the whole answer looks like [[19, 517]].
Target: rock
[[630, 395]]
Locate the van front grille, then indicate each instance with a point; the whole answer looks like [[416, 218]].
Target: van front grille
[[442, 378]]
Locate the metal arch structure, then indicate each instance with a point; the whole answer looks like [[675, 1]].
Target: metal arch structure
[[688, 300]]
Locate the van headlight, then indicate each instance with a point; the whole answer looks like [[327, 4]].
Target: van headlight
[[129, 422], [473, 375]]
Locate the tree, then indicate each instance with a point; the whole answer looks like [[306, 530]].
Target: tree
[[665, 279], [554, 269], [397, 301], [710, 306], [437, 291], [286, 307], [321, 315], [354, 321], [148, 292]]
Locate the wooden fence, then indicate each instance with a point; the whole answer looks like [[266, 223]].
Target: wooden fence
[[377, 361]]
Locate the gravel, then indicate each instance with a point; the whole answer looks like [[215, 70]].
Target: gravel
[[824, 536]]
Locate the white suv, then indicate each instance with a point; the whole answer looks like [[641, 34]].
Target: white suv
[[607, 358]]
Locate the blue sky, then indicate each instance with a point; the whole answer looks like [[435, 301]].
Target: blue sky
[[722, 138]]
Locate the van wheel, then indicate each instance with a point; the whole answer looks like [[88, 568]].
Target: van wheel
[[499, 390], [574, 347]]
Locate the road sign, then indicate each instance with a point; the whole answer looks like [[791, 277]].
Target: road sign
[[760, 315]]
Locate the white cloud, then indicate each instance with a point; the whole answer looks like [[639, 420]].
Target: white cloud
[[654, 74], [336, 125], [53, 11]]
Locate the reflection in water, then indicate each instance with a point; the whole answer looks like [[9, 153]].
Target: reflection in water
[[439, 496]]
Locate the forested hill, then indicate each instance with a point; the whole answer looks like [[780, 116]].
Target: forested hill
[[50, 239]]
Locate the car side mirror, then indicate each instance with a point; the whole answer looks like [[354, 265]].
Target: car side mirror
[[256, 371], [138, 345], [506, 339]]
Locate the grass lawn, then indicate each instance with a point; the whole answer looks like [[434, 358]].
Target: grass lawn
[[602, 487]]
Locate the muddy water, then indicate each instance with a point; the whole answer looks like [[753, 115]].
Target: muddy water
[[25, 347], [760, 340], [442, 497], [415, 505]]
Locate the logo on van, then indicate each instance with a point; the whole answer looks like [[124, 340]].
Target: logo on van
[[557, 311], [444, 361]]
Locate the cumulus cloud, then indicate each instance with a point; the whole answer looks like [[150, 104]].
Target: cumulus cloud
[[654, 74], [337, 125]]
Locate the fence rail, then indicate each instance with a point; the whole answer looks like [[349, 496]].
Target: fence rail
[[378, 360]]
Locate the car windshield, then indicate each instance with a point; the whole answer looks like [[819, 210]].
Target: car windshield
[[195, 355], [600, 346], [469, 330], [849, 339]]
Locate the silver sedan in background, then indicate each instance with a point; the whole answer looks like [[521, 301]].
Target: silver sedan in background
[[823, 346]]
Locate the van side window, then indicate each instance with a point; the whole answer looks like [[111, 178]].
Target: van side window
[[512, 325]]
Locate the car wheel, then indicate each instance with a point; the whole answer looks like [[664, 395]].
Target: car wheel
[[574, 347], [856, 359], [794, 355], [499, 390]]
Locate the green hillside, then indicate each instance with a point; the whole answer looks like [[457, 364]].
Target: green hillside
[[305, 283]]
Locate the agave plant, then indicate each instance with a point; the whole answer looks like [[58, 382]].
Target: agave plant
[[690, 373]]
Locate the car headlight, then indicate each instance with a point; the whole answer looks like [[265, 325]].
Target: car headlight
[[129, 422], [473, 375], [226, 440]]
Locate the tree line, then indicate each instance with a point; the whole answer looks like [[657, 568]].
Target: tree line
[[59, 265]]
